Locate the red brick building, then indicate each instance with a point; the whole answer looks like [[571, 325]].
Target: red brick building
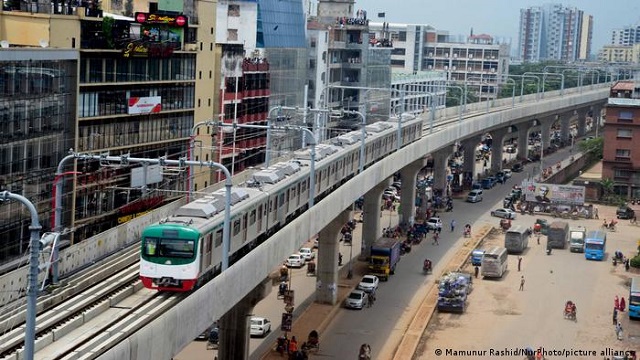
[[621, 154]]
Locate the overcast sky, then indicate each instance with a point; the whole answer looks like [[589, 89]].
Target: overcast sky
[[498, 18]]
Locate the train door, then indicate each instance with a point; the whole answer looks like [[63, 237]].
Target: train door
[[205, 250], [280, 207], [259, 229], [244, 229]]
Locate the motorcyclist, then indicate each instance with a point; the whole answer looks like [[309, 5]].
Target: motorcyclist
[[467, 229], [427, 265]]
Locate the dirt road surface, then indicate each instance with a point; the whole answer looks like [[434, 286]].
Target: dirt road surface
[[502, 318]]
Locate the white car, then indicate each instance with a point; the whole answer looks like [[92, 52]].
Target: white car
[[369, 283], [357, 299], [507, 173], [260, 326], [307, 253], [434, 223], [504, 213], [295, 260]]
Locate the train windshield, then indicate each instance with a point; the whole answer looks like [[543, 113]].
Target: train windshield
[[164, 247]]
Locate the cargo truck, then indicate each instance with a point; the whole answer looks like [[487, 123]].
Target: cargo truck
[[577, 234], [385, 254], [558, 234]]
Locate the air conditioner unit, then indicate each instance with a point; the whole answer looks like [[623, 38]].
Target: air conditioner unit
[[430, 54], [430, 67], [493, 57], [455, 55], [453, 68], [446, 54], [468, 69], [470, 56], [446, 67], [493, 69]]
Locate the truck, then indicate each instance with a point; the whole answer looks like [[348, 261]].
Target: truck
[[453, 291], [577, 234], [516, 239], [558, 234], [385, 255]]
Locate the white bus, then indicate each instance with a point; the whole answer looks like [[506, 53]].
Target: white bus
[[516, 239], [494, 262]]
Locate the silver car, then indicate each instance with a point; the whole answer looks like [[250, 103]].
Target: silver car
[[357, 299], [369, 283]]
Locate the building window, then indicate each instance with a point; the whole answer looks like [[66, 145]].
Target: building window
[[234, 11], [625, 115], [623, 153], [402, 36], [624, 133], [232, 34]]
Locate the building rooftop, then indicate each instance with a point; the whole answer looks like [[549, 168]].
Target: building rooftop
[[623, 85]]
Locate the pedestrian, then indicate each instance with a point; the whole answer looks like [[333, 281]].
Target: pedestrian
[[595, 212], [519, 262], [476, 270], [521, 283], [622, 304], [616, 302], [626, 265], [370, 299], [619, 331], [293, 345], [435, 238], [453, 225], [615, 316]]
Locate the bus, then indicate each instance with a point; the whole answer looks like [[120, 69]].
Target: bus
[[634, 298], [516, 239], [595, 244], [494, 262]]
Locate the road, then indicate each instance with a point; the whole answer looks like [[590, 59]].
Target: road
[[385, 322], [501, 317], [355, 327]]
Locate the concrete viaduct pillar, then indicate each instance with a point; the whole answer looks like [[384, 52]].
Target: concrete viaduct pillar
[[582, 122], [233, 326], [371, 216], [545, 130], [565, 126], [523, 140], [596, 116], [440, 159], [408, 174], [496, 148], [327, 268], [469, 162]]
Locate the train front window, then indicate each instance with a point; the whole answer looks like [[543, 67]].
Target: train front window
[[163, 247]]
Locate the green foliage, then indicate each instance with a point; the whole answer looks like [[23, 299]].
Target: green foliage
[[593, 147], [128, 8], [107, 31], [635, 261], [454, 95]]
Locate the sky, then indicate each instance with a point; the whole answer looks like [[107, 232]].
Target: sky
[[499, 18]]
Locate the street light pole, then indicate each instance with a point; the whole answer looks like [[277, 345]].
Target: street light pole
[[125, 159], [32, 278]]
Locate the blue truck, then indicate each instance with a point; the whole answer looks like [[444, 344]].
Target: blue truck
[[385, 255]]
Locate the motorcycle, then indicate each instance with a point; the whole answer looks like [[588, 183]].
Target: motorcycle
[[405, 248], [365, 352], [427, 267]]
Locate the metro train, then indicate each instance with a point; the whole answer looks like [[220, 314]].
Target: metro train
[[184, 250]]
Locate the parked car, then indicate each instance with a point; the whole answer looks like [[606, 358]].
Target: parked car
[[307, 253], [625, 212], [369, 283], [504, 213], [488, 183], [434, 223], [507, 173], [206, 335], [357, 299], [517, 167], [260, 326], [474, 196], [295, 260]]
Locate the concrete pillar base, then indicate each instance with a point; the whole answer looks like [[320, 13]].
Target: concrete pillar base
[[407, 210], [328, 250], [371, 229]]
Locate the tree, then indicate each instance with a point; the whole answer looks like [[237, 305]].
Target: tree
[[607, 188], [593, 148]]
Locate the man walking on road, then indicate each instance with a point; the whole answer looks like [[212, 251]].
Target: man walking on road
[[521, 283], [453, 225], [619, 331]]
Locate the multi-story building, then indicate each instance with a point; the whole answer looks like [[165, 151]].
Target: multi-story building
[[407, 40], [621, 54], [629, 35], [621, 157], [479, 63], [38, 92], [554, 32], [418, 92], [350, 68], [243, 86], [143, 83]]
